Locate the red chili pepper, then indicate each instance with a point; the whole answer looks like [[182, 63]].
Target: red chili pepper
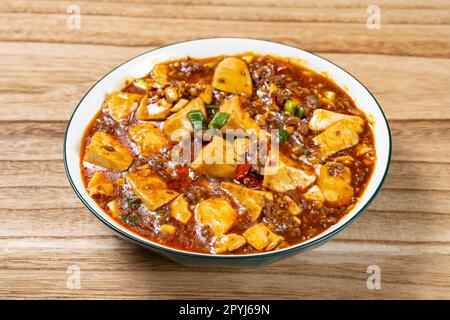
[[182, 171], [242, 170]]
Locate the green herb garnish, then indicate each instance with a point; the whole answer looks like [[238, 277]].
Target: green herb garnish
[[197, 119], [132, 203], [219, 119], [283, 135]]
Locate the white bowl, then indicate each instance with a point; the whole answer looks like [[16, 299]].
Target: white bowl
[[142, 64]]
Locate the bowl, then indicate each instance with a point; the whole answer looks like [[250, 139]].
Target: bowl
[[201, 48]]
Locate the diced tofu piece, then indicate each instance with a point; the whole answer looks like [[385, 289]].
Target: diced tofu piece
[[179, 105], [216, 159], [232, 75], [150, 188], [178, 123], [167, 229], [292, 206], [148, 138], [238, 118], [314, 194], [158, 110], [341, 135], [146, 178], [171, 93], [336, 188], [206, 93], [99, 184], [282, 174], [160, 73], [121, 104], [216, 213], [262, 238], [253, 200], [322, 119], [113, 207], [107, 151], [228, 242], [179, 209]]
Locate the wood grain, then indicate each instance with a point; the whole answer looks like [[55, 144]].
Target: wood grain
[[46, 69]]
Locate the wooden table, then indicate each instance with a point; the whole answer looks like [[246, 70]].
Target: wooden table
[[45, 69]]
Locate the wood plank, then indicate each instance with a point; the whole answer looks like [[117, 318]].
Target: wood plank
[[338, 266], [421, 175], [390, 4], [227, 11], [411, 40], [31, 173]]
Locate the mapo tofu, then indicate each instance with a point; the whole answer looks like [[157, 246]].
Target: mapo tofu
[[299, 157]]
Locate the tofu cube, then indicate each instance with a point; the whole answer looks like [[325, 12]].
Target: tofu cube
[[158, 110], [216, 159], [238, 118], [121, 104], [167, 229], [149, 138], [107, 151], [336, 188], [253, 200], [217, 213], [150, 188], [292, 206], [114, 208], [314, 194], [99, 184], [179, 209], [282, 174], [322, 119], [228, 242], [232, 75], [341, 135], [262, 238]]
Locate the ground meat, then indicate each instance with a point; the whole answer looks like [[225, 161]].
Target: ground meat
[[189, 67], [283, 223]]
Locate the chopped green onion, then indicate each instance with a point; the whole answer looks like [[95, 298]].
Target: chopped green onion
[[300, 112], [132, 203], [283, 135], [141, 83], [212, 106], [290, 106], [132, 219], [197, 119], [129, 219], [219, 119]]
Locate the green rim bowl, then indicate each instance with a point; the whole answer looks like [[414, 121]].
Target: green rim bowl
[[201, 48]]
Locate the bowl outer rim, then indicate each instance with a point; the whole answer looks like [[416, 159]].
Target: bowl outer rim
[[254, 256]]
